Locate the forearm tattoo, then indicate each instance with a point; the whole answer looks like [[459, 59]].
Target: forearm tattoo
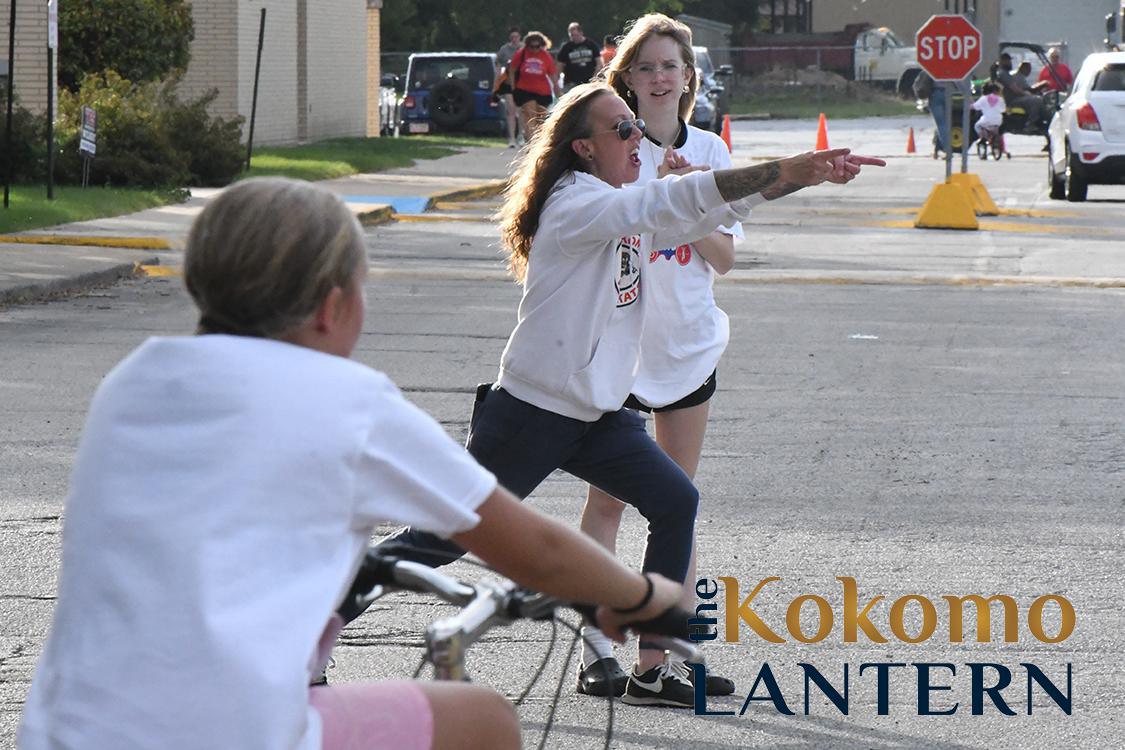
[[782, 188], [739, 183]]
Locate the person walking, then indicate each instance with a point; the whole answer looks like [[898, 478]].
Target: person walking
[[504, 88], [535, 79], [579, 57], [576, 240]]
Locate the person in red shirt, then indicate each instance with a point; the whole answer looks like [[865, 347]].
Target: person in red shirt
[[1062, 72], [535, 79]]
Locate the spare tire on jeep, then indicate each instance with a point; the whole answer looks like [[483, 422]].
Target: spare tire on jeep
[[451, 103]]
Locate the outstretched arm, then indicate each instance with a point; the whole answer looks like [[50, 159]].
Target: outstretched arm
[[774, 179]]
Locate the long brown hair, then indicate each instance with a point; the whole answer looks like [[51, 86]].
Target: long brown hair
[[548, 157], [629, 46]]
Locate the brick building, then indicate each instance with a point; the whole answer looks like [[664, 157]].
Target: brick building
[[31, 52], [320, 65]]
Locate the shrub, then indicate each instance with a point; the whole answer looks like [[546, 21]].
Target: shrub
[[143, 40], [147, 137], [213, 145], [28, 155]]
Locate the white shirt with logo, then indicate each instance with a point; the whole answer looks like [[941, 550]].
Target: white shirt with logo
[[576, 346], [685, 332], [224, 492]]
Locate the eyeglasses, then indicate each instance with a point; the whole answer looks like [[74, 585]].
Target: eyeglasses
[[669, 69], [624, 129]]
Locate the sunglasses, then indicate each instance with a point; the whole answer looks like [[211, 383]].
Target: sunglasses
[[624, 129]]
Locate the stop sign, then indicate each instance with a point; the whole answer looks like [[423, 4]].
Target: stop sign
[[948, 47]]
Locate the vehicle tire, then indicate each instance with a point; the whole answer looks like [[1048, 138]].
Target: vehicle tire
[[982, 148], [1055, 182], [451, 103], [1075, 185], [906, 84]]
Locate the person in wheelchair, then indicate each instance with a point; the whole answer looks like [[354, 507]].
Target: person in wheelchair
[[991, 107]]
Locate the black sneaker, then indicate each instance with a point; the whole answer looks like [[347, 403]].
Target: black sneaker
[[716, 685], [603, 677], [663, 685]]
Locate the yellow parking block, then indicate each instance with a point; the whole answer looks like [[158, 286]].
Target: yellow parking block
[[983, 204], [948, 207]]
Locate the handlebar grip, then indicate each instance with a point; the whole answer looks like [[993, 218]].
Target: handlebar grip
[[672, 622]]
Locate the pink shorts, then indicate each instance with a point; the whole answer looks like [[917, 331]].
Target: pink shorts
[[373, 716]]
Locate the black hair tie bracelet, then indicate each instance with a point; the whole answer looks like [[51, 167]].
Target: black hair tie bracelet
[[644, 601]]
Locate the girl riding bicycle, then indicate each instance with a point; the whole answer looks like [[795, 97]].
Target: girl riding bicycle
[[225, 489]]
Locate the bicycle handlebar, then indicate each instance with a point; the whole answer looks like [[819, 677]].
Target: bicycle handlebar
[[487, 604]]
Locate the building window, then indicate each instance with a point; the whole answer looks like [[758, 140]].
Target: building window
[[785, 16]]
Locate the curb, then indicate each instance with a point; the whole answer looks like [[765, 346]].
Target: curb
[[41, 292], [475, 192], [376, 216], [133, 243]]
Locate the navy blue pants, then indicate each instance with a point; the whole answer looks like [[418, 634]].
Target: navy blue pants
[[522, 444]]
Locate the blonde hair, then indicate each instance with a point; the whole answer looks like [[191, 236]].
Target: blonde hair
[[265, 253], [539, 38], [548, 157], [629, 46]]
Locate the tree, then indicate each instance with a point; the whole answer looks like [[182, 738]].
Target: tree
[[142, 40], [482, 25]]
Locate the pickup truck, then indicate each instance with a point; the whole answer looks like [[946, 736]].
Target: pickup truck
[[859, 52]]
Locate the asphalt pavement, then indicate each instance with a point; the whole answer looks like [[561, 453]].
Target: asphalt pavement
[[934, 413], [1064, 243]]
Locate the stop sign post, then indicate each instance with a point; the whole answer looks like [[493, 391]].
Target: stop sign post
[[949, 48]]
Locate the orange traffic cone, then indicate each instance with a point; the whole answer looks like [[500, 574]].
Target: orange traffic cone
[[822, 133], [726, 132], [910, 142]]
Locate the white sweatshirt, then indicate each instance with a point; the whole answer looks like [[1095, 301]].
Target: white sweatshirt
[[576, 346]]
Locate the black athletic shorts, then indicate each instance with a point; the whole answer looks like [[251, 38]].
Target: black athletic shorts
[[504, 88], [522, 97], [700, 396]]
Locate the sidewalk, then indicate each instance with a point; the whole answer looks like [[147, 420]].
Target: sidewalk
[[57, 260]]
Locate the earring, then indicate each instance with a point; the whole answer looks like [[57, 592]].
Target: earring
[[686, 88]]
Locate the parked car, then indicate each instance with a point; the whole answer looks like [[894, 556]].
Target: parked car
[[1087, 135], [450, 91], [712, 97]]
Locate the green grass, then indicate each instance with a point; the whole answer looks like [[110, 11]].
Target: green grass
[[345, 156], [30, 209], [834, 105], [324, 160]]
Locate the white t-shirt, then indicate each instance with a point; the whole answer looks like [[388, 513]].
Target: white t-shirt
[[685, 332], [991, 112], [224, 491]]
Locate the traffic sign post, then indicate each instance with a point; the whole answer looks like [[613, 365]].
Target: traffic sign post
[[949, 48]]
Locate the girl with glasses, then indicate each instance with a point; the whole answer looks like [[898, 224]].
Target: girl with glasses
[[535, 79], [578, 241], [654, 72]]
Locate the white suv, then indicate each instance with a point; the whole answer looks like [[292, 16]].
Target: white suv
[[1087, 134]]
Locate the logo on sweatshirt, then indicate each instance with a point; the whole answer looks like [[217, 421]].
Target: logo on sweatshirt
[[628, 281], [682, 254]]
